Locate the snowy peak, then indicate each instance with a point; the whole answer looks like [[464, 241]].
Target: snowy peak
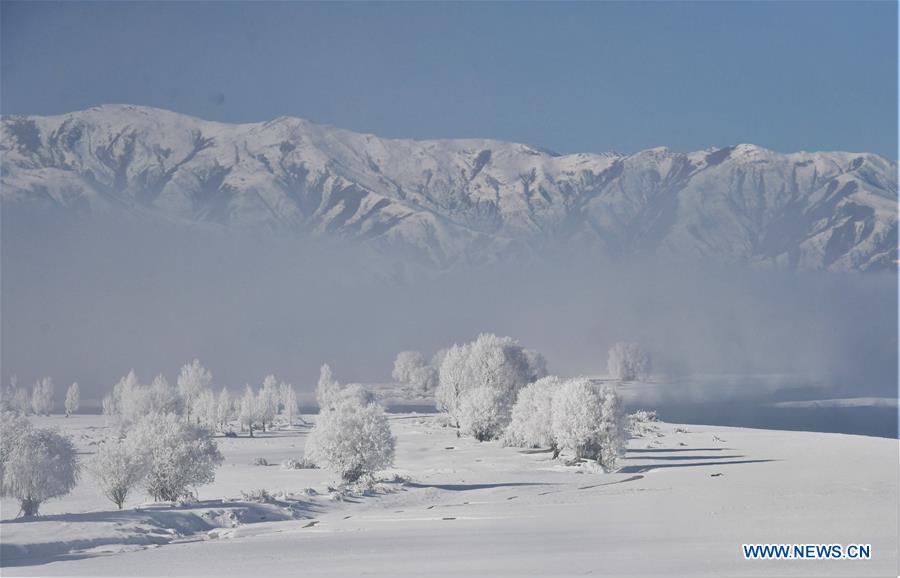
[[455, 202]]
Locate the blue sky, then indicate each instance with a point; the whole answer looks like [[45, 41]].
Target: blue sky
[[569, 77]]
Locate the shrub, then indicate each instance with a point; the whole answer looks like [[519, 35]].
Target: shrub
[[261, 496], [298, 464], [641, 422]]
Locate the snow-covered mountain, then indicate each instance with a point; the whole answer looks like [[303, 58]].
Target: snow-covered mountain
[[451, 202]]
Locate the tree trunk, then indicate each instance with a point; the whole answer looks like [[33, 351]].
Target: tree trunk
[[30, 507]]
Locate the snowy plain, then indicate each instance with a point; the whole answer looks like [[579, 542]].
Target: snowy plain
[[684, 501]]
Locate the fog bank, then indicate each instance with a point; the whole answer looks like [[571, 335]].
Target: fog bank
[[86, 300]]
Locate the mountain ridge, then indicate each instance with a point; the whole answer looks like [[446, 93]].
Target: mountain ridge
[[450, 202]]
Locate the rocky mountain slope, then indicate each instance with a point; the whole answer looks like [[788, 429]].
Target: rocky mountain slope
[[456, 202]]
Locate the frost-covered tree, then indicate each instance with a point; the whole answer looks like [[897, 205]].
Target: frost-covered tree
[[498, 363], [224, 409], [355, 393], [192, 379], [414, 371], [163, 397], [42, 396], [248, 413], [112, 403], [38, 464], [532, 416], [613, 428], [16, 398], [8, 394], [577, 414], [501, 364], [13, 424], [326, 388], [179, 455], [206, 409], [267, 402], [131, 401], [288, 401], [587, 420], [73, 399], [118, 469], [22, 400], [438, 358], [628, 362], [351, 437], [481, 413], [537, 364], [452, 381]]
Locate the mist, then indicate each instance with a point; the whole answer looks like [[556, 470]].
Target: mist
[[87, 299]]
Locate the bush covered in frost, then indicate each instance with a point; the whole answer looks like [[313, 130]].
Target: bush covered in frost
[[351, 435], [587, 420], [298, 464], [532, 415]]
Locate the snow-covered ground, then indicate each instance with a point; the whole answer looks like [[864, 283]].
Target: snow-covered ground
[[685, 500]]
